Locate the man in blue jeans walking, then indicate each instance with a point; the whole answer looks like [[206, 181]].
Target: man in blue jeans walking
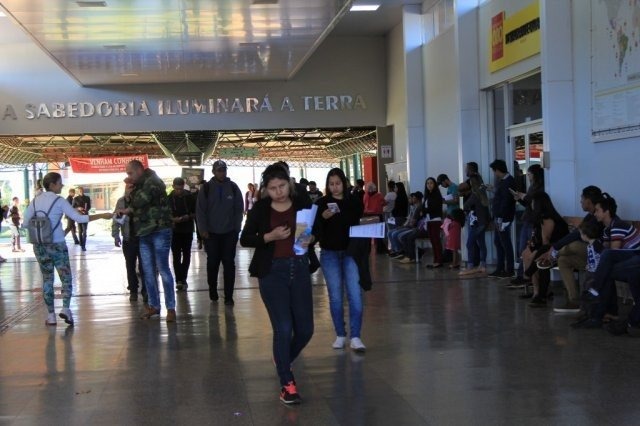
[[219, 212], [151, 222]]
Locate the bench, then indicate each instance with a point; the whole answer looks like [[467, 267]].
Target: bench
[[421, 243]]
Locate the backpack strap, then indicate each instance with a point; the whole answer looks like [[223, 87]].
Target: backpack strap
[[49, 211]]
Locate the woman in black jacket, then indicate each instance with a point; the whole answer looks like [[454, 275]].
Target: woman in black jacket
[[548, 228], [433, 213], [337, 212], [283, 276]]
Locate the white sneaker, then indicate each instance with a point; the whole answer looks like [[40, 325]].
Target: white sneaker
[[51, 319], [357, 345], [67, 316], [339, 343]]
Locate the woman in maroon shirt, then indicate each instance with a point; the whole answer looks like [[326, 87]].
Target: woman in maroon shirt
[[283, 276]]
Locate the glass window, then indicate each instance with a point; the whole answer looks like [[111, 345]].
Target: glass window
[[526, 98]]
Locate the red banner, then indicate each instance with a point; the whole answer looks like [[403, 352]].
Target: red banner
[[111, 164], [497, 37]]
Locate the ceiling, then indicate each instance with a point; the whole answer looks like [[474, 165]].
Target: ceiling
[[191, 148], [115, 42], [120, 42]]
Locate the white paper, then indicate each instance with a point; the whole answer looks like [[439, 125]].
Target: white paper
[[304, 223], [306, 216], [448, 197], [391, 220], [371, 230]]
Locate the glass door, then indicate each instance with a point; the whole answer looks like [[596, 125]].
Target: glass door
[[526, 142]]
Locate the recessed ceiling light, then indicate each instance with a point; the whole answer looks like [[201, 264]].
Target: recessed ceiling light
[[364, 7], [91, 3]]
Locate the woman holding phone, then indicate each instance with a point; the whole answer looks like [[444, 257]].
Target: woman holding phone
[[283, 276], [337, 211]]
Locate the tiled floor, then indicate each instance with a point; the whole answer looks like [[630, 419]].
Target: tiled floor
[[441, 351]]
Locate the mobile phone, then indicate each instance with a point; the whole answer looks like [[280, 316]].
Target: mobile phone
[[333, 207]]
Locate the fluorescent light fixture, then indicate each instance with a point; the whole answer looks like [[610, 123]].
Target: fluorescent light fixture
[[91, 3], [364, 7]]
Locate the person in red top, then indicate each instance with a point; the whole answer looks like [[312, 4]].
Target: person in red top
[[373, 201], [373, 204]]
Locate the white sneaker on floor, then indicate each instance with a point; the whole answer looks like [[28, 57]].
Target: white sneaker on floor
[[51, 319], [339, 343], [67, 316], [357, 345]]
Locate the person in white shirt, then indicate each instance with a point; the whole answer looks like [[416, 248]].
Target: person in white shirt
[[55, 256]]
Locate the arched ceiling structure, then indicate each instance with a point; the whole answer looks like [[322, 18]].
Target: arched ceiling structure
[[193, 148]]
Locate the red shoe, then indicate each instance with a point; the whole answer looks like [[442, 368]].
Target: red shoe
[[289, 394]]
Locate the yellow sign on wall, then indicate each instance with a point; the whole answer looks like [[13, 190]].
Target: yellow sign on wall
[[515, 38]]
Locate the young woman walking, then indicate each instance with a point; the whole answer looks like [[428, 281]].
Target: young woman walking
[[337, 211], [283, 276]]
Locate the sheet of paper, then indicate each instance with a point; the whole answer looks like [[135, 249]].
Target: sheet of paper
[[371, 230], [448, 197], [305, 219]]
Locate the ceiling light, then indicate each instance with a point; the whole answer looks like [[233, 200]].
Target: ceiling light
[[364, 7], [91, 3]]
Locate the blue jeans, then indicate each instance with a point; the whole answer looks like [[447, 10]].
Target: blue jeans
[[395, 236], [615, 265], [504, 249], [477, 246], [154, 253], [286, 293], [340, 273]]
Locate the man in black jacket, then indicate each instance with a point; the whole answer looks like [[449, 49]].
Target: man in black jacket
[[219, 212], [503, 208], [71, 224], [82, 203], [183, 213]]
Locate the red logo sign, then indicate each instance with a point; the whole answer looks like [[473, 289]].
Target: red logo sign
[[497, 36]]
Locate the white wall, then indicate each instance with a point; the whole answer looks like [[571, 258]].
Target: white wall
[[396, 99], [442, 119], [611, 165]]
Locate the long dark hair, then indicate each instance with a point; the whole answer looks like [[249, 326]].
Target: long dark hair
[[537, 172], [336, 171], [542, 208], [608, 203], [426, 188]]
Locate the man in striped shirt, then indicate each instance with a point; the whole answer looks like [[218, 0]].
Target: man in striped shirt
[[619, 261]]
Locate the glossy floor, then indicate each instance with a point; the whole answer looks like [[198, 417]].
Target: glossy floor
[[440, 351]]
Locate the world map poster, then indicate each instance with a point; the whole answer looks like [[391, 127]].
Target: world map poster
[[615, 66]]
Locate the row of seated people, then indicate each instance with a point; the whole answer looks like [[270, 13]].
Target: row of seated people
[[604, 247]]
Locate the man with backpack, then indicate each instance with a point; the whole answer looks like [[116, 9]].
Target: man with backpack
[[219, 212]]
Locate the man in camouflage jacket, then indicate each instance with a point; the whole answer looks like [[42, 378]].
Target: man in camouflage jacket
[[151, 220]]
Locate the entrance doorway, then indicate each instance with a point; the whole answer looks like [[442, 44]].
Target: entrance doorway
[[526, 140]]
